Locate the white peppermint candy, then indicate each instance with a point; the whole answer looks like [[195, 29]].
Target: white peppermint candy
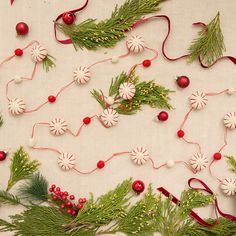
[[58, 126], [139, 155], [16, 106], [66, 161], [110, 100], [198, 161], [38, 53], [136, 44], [127, 90], [230, 120], [198, 100], [228, 186], [82, 75], [109, 117]]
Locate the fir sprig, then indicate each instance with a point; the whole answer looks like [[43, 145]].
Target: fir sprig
[[35, 189], [209, 46], [48, 62], [232, 163], [8, 198], [21, 167], [92, 35]]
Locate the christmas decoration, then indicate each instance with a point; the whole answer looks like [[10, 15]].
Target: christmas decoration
[[139, 155], [66, 161], [138, 186], [183, 81], [228, 186], [38, 53], [127, 91], [82, 75], [136, 44], [232, 163], [3, 155], [230, 120], [198, 161], [68, 18], [109, 117], [1, 120], [58, 126], [22, 28], [198, 100], [91, 35], [16, 106], [163, 116]]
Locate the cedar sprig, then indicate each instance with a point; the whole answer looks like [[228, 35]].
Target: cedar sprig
[[7, 198], [48, 62], [232, 163], [91, 35], [209, 46], [21, 167], [35, 189]]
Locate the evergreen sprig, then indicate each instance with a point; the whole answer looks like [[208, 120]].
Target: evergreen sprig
[[48, 62], [147, 93], [209, 46], [232, 163], [8, 198], [1, 120], [21, 167], [92, 35]]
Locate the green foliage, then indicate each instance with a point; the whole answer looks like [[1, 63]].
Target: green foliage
[[35, 188], [1, 120], [48, 62], [92, 35], [232, 163], [8, 198], [147, 93], [21, 167], [209, 46]]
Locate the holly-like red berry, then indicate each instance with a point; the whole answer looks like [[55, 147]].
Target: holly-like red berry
[[163, 116], [68, 18], [53, 186], [86, 120], [22, 28], [73, 213], [147, 63], [80, 200], [217, 156], [100, 164], [18, 52], [183, 81], [84, 200], [80, 206], [64, 197], [63, 206], [55, 197], [52, 98], [3, 155], [66, 193], [69, 204], [69, 211], [50, 190], [180, 133], [72, 197], [138, 186]]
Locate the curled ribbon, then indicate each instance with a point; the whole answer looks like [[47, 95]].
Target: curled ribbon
[[193, 214]]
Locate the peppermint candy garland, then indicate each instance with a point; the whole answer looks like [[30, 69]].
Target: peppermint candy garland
[[38, 53], [228, 186], [127, 91], [230, 120], [66, 161], [136, 44], [198, 100], [109, 117], [139, 155], [198, 161], [82, 75], [58, 126], [16, 106]]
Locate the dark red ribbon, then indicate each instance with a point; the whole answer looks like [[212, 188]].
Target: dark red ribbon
[[193, 214], [11, 1], [67, 41]]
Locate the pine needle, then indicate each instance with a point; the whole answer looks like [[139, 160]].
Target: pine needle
[[1, 120], [91, 35], [8, 198], [35, 189], [48, 62], [209, 46], [21, 167], [232, 163]]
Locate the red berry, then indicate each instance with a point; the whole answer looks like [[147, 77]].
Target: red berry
[[163, 116], [63, 206], [18, 52], [72, 197], [73, 212], [50, 190], [80, 200], [146, 63], [52, 98], [84, 200], [69, 204], [183, 81], [58, 189], [55, 197], [69, 211], [100, 164], [66, 193], [86, 120], [138, 186], [53, 186], [217, 156], [80, 206], [180, 133], [3, 155], [64, 197]]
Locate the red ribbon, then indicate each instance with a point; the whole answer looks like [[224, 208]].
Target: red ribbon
[[193, 214], [66, 41], [11, 1]]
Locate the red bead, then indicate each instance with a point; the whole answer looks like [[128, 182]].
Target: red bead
[[163, 116], [183, 81], [72, 197], [217, 156], [3, 155], [69, 211], [63, 206], [80, 206], [147, 63], [68, 18], [180, 133], [52, 98], [22, 28], [138, 186], [55, 197], [18, 52], [86, 120], [73, 212], [100, 164]]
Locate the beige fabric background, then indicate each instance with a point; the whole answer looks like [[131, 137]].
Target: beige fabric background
[[97, 143]]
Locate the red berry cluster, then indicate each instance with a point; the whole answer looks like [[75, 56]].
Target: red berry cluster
[[65, 200]]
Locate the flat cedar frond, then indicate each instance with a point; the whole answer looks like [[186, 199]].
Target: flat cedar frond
[[48, 62], [92, 35], [21, 167], [209, 46], [8, 198], [35, 188], [6, 226], [1, 120], [232, 163]]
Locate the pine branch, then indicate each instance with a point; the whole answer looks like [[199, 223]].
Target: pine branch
[[232, 163], [1, 120], [98, 95], [6, 226], [48, 62], [21, 167], [209, 46], [35, 189], [8, 198], [92, 35]]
